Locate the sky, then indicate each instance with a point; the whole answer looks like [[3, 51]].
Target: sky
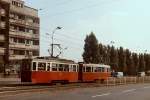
[[126, 22]]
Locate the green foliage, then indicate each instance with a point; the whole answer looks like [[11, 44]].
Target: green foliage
[[122, 60], [114, 58], [91, 50], [141, 63], [119, 59], [135, 62]]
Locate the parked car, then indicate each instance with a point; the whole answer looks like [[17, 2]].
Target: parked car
[[117, 74], [141, 74]]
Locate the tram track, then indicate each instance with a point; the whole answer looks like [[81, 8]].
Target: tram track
[[38, 88]]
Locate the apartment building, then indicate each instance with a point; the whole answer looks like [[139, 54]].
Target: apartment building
[[19, 33]]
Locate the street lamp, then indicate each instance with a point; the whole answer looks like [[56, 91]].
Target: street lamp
[[112, 42], [53, 32]]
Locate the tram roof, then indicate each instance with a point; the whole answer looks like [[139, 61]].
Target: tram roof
[[97, 65], [53, 60]]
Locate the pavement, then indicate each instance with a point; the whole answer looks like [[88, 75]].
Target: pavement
[[9, 81], [122, 92]]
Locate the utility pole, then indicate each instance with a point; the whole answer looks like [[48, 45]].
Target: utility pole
[[52, 45]]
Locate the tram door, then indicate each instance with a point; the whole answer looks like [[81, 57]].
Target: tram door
[[80, 73], [26, 70]]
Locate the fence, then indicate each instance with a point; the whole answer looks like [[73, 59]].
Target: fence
[[126, 80]]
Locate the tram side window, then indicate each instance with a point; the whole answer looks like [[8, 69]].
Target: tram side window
[[95, 69], [103, 69], [99, 69], [77, 68], [74, 68], [54, 67], [48, 67], [41, 66], [34, 66], [66, 68], [108, 70], [84, 69], [88, 69], [60, 67]]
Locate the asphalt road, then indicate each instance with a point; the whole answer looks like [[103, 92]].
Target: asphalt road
[[124, 92]]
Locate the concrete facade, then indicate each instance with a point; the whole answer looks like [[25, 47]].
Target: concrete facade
[[19, 33]]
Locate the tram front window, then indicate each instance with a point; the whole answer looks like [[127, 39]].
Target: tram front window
[[41, 66]]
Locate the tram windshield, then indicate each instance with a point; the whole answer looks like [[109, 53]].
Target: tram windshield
[[41, 66]]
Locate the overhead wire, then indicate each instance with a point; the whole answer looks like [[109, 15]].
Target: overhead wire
[[60, 33], [81, 8], [62, 40]]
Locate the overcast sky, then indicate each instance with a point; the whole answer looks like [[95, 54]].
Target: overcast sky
[[126, 22]]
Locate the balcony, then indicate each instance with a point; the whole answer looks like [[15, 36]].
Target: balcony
[[24, 46], [23, 22], [16, 57], [24, 34], [19, 57], [32, 47], [2, 51], [2, 38], [25, 10], [2, 12], [2, 25]]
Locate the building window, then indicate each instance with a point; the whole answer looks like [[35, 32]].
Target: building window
[[19, 52], [21, 41], [22, 29], [17, 4], [15, 40], [28, 42], [36, 42], [35, 53]]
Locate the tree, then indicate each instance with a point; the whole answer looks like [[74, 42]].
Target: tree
[[91, 50], [114, 58], [131, 69], [141, 63], [122, 60], [101, 53], [147, 62], [136, 62]]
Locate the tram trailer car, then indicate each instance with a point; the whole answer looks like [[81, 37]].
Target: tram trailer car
[[41, 70], [93, 72]]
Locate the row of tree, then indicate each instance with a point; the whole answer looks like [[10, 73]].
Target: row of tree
[[119, 59]]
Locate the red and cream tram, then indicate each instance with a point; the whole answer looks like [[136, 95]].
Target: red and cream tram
[[93, 72], [51, 70]]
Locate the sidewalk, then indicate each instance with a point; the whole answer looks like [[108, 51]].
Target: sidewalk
[[9, 81]]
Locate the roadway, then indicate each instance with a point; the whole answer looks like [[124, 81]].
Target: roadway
[[122, 92]]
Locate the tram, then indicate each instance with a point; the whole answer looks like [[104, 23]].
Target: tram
[[93, 72], [54, 70]]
